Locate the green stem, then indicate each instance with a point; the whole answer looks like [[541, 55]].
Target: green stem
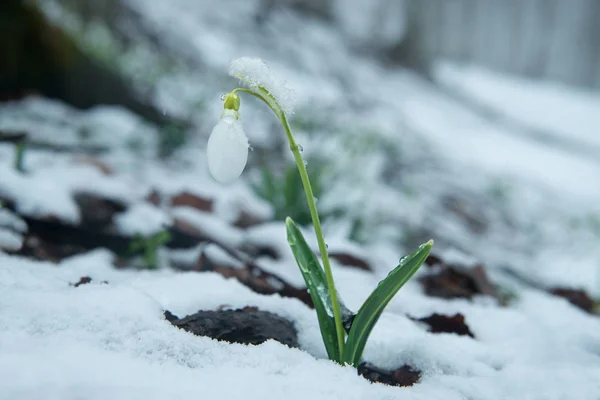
[[310, 198], [20, 156]]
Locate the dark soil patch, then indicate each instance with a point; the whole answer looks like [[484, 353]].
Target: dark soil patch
[[245, 326], [255, 278], [257, 251], [250, 325], [403, 376], [247, 220], [439, 323], [41, 248], [192, 200], [350, 260], [97, 212], [82, 281], [452, 281], [578, 298]]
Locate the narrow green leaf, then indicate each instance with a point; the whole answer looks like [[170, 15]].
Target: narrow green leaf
[[314, 276], [373, 307], [317, 287]]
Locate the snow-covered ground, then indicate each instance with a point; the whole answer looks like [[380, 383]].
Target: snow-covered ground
[[495, 169]]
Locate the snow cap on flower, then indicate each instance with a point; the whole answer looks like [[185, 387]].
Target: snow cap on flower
[[227, 148], [254, 72]]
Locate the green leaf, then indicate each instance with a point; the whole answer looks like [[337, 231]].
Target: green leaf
[[314, 276], [373, 307]]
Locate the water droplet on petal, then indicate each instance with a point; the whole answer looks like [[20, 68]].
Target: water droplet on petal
[[223, 97], [250, 148]]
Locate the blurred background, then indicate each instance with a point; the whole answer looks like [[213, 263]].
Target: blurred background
[[473, 122]]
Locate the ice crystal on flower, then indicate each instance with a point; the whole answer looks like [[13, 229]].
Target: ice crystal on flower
[[254, 72]]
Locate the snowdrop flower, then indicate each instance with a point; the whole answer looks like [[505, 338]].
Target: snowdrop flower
[[227, 156], [227, 148]]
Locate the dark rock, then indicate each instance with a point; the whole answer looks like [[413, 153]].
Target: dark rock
[[245, 326], [447, 324], [403, 376]]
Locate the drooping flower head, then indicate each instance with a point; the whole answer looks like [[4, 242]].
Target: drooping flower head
[[227, 148]]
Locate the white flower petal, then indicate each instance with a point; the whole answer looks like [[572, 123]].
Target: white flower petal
[[227, 149]]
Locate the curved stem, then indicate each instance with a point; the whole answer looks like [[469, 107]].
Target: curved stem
[[310, 198]]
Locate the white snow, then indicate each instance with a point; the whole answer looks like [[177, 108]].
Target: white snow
[[12, 221], [10, 240], [372, 23], [552, 109], [142, 218], [210, 225], [37, 196], [104, 126], [408, 159], [254, 72], [98, 333]]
